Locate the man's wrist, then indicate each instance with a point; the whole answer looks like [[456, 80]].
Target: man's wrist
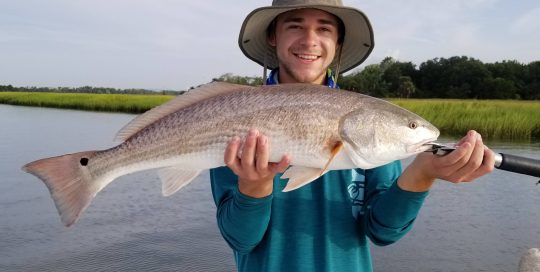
[[256, 189], [413, 181]]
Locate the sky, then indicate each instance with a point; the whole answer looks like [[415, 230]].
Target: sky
[[173, 45]]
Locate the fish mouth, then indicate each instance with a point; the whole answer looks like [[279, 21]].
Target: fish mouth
[[422, 146]]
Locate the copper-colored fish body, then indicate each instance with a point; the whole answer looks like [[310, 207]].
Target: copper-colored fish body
[[320, 128]]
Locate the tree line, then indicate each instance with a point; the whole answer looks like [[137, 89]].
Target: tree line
[[455, 77]]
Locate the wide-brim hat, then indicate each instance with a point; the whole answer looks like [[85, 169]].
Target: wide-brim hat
[[357, 44]]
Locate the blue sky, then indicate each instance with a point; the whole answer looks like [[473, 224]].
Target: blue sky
[[166, 44]]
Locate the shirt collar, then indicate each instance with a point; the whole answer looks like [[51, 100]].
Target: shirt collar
[[273, 78]]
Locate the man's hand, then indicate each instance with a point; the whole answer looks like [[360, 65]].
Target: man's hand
[[470, 160], [255, 173]]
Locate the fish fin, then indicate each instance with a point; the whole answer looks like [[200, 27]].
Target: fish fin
[[174, 178], [335, 150], [300, 175], [189, 98], [69, 183]]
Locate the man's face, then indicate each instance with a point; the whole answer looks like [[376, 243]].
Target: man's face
[[305, 42]]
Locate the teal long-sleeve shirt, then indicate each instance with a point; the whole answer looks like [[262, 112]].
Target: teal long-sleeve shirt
[[323, 226]]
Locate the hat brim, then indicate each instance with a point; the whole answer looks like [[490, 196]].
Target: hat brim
[[357, 44]]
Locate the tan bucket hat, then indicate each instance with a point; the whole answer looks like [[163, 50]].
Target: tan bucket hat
[[358, 40]]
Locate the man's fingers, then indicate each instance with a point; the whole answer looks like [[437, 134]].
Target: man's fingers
[[262, 154], [468, 137], [473, 162], [230, 158], [489, 160], [459, 157], [487, 165], [248, 151], [253, 164], [281, 166]]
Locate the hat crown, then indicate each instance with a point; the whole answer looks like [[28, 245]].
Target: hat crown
[[306, 2]]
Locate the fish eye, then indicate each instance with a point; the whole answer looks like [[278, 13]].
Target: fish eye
[[84, 161], [413, 125]]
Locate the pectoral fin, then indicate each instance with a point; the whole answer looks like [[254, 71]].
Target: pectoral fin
[[337, 148], [299, 176], [174, 178]]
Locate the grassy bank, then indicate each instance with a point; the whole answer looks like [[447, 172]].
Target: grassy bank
[[84, 101], [494, 119]]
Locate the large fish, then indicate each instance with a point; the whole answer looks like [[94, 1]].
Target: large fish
[[321, 129]]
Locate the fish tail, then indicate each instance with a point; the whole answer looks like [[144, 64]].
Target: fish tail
[[69, 182]]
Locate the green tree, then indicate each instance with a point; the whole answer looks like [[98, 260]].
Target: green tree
[[369, 80], [497, 88], [406, 87], [509, 72], [456, 77], [393, 73], [244, 80], [7, 88], [531, 89]]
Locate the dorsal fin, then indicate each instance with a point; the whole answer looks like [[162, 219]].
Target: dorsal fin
[[191, 97]]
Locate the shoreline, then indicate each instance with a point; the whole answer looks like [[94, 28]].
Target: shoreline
[[494, 119]]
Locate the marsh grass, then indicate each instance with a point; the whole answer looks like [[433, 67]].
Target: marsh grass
[[84, 101], [494, 119]]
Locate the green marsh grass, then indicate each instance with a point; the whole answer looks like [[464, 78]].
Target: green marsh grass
[[84, 101], [494, 119]]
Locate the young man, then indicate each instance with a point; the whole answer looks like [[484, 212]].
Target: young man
[[323, 226]]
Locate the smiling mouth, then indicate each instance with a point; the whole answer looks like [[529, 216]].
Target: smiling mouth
[[307, 57]]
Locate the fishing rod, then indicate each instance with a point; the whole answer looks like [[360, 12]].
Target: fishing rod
[[506, 162]]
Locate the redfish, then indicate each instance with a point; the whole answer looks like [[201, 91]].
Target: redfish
[[320, 128]]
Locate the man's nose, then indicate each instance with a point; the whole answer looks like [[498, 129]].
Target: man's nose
[[309, 37]]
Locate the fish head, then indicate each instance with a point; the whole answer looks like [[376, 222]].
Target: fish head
[[381, 132]]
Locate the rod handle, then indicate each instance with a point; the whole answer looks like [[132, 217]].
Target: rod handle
[[519, 165]]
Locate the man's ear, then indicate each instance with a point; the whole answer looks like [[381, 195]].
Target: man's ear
[[271, 40]]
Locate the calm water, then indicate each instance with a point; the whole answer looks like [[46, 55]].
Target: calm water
[[482, 226]]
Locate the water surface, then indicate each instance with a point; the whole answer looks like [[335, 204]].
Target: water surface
[[481, 226]]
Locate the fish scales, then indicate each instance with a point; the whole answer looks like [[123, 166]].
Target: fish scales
[[310, 123]]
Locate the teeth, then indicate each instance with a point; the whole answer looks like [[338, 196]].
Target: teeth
[[308, 57]]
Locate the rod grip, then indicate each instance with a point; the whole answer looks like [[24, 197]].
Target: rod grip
[[520, 165]]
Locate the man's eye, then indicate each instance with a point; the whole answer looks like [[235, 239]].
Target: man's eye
[[326, 29]]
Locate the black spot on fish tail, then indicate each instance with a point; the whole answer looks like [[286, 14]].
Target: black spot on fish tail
[[84, 161]]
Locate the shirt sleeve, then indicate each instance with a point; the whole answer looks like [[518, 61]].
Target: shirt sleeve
[[390, 211], [242, 220]]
